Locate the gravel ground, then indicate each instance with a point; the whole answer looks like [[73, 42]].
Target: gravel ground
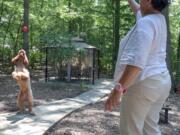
[[42, 92], [92, 120]]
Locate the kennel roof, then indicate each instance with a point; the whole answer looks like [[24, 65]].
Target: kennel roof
[[76, 42]]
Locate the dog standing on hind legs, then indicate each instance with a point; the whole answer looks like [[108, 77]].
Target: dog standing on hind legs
[[22, 77]]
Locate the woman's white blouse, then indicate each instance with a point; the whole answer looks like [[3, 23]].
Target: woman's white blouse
[[144, 46]]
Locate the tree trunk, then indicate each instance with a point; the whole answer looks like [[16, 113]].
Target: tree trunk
[[178, 50], [116, 32], [168, 48], [70, 22], [2, 8], [69, 71], [178, 64], [26, 23], [70, 32]]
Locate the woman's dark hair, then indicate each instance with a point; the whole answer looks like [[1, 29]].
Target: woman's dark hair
[[160, 4]]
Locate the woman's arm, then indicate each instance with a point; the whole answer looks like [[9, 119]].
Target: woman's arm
[[129, 75], [127, 78], [134, 5]]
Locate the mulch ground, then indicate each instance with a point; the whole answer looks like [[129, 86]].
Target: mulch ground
[[42, 92], [89, 120], [93, 120]]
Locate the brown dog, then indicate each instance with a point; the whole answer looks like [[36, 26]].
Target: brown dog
[[22, 77]]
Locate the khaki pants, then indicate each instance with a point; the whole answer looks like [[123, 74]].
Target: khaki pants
[[141, 105]]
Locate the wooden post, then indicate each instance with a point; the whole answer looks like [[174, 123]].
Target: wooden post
[[46, 68], [98, 55], [93, 66], [69, 71], [80, 65]]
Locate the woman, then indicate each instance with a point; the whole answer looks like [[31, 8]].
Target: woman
[[141, 72]]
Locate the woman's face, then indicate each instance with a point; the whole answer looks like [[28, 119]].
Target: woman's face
[[145, 6]]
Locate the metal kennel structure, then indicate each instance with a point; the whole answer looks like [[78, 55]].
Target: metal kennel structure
[[72, 61]]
